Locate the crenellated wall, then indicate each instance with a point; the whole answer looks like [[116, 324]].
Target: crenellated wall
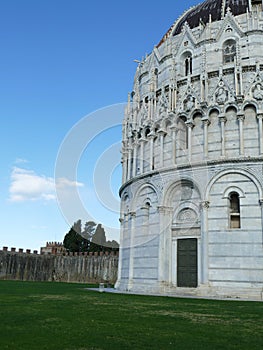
[[83, 268]]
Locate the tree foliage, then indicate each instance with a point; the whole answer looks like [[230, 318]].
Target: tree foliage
[[91, 239], [73, 241]]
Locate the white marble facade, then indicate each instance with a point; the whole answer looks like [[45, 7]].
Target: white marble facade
[[191, 198]]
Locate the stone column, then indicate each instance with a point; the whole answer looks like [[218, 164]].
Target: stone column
[[206, 123], [134, 170], [129, 163], [123, 230], [165, 245], [222, 119], [151, 136], [174, 99], [150, 107], [204, 241], [240, 118], [261, 205], [162, 133], [190, 126], [142, 141], [203, 88], [170, 108], [260, 133], [124, 167], [131, 262]]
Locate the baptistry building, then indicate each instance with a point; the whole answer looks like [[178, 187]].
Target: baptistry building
[[192, 152]]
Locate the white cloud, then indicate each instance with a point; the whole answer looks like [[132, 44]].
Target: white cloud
[[21, 161], [26, 185]]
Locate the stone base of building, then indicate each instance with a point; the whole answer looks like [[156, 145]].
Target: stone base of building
[[229, 291]]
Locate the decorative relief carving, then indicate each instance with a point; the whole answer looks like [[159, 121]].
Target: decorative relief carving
[[257, 91], [221, 95], [143, 113], [187, 216], [189, 103], [254, 86], [162, 104]]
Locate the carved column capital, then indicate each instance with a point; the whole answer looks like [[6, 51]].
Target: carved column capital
[[189, 124], [204, 205], [222, 118], [240, 117], [161, 132], [206, 121], [142, 140], [151, 135]]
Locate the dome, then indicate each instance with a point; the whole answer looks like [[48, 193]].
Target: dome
[[214, 8]]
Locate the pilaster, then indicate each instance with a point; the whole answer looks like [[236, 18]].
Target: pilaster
[[204, 206], [190, 126], [165, 244], [131, 262], [206, 122], [260, 132]]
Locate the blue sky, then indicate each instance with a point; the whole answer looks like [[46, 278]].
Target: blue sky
[[64, 66]]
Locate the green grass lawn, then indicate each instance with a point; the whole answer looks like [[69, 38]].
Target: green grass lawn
[[64, 316]]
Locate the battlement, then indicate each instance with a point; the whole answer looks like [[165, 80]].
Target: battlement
[[20, 250], [64, 252], [20, 264]]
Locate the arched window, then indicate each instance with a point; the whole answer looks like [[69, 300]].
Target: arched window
[[234, 210], [229, 51], [188, 65]]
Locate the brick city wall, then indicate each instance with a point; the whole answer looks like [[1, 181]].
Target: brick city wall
[[83, 267]]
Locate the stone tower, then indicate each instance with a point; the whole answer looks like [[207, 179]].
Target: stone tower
[[191, 197]]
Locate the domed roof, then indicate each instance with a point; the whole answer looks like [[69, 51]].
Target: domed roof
[[214, 8]]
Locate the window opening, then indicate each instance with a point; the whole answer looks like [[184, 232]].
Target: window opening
[[188, 65], [229, 51], [234, 210]]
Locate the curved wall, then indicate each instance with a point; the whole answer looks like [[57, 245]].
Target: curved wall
[[192, 162]]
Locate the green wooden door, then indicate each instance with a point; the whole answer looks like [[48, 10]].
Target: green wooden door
[[187, 262]]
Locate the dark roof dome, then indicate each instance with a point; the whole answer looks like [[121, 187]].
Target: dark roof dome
[[214, 8]]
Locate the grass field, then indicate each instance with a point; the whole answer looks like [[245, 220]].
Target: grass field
[[68, 317]]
